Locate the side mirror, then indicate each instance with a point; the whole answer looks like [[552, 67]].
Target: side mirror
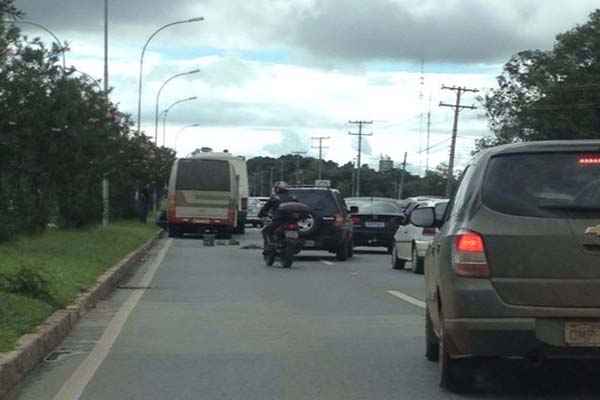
[[353, 210], [423, 217]]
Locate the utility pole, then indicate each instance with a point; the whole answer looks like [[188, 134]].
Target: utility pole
[[298, 155], [401, 188], [282, 175], [457, 109], [428, 137], [320, 147], [105, 182], [271, 177], [360, 135]]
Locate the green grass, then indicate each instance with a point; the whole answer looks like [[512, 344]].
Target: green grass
[[43, 273]]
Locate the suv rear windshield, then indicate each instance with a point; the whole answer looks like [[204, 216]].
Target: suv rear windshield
[[543, 185], [203, 175], [377, 207], [321, 201]]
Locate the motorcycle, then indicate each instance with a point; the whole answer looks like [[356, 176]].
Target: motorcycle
[[285, 242]]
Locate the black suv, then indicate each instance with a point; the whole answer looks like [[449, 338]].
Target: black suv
[[329, 227]]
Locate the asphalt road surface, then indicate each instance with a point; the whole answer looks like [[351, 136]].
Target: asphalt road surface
[[201, 322]]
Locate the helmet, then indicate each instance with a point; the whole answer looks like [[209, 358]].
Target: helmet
[[280, 187]]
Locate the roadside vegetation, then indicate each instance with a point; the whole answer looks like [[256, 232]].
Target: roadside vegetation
[[60, 136], [41, 274], [549, 94]]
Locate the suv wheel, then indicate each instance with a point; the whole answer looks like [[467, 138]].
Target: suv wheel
[[432, 346], [341, 253], [453, 374]]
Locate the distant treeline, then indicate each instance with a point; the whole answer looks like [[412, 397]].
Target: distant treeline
[[294, 169]]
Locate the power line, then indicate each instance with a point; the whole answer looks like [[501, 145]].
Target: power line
[[360, 135], [457, 109], [320, 147]]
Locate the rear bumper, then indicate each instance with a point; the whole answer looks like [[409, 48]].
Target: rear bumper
[[186, 227], [512, 337], [422, 246], [367, 238]]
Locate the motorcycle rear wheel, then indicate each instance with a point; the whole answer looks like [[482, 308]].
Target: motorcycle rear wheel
[[287, 256], [269, 259]]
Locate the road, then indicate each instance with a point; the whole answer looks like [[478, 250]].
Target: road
[[199, 322]]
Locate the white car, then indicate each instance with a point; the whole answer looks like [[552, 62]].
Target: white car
[[411, 243], [254, 206]]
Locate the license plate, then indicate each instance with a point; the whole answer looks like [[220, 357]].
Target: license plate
[[291, 234], [373, 224], [309, 243], [582, 334]]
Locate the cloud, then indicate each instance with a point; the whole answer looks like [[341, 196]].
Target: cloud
[[231, 114], [291, 141], [331, 31]]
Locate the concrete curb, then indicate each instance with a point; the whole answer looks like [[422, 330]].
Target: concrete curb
[[33, 348]]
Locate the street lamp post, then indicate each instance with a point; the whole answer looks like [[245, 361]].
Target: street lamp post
[[181, 130], [166, 113], [48, 31], [139, 113], [195, 71]]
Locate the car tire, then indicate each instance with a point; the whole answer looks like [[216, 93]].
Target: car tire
[[396, 262], [174, 231], [308, 226], [350, 249], [453, 374], [341, 253], [418, 263], [432, 345]]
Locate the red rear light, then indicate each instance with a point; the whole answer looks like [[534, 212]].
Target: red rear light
[[468, 256], [171, 205], [292, 227], [592, 159], [356, 220], [429, 231], [339, 219], [231, 216]]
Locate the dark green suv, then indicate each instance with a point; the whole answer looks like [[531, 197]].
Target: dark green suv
[[515, 269], [329, 226]]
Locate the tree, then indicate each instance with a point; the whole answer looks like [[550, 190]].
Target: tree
[[549, 95], [59, 136]]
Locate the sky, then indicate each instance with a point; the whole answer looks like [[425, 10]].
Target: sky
[[273, 74]]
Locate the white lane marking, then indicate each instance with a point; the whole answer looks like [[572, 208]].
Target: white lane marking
[[74, 387], [407, 298], [327, 262]]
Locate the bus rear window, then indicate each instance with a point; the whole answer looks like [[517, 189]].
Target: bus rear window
[[203, 175]]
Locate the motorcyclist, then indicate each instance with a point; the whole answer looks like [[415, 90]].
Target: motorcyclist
[[280, 194]]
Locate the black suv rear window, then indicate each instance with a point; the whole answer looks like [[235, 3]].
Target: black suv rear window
[[543, 185], [321, 201], [203, 175]]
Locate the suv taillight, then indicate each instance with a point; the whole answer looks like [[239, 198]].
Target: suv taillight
[[468, 255], [339, 219]]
